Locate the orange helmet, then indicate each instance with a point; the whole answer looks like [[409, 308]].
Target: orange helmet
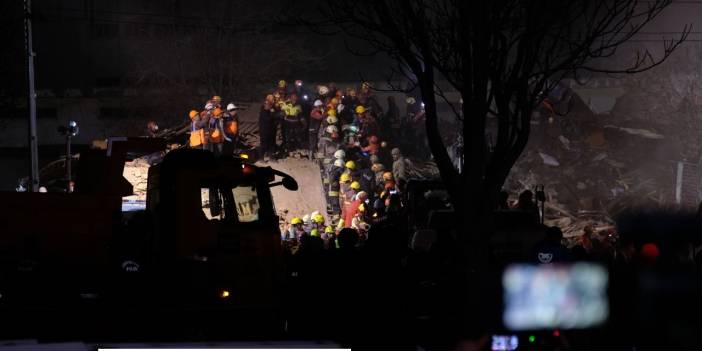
[[217, 112], [217, 98], [270, 98], [193, 114], [387, 176]]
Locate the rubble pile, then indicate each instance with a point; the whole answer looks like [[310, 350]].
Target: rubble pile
[[593, 173]]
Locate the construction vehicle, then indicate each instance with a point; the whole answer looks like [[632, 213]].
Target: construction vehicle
[[207, 242]]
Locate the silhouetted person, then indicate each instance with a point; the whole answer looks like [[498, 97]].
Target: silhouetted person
[[551, 250], [502, 201], [526, 203]]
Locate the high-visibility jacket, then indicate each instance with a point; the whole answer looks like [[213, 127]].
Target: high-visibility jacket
[[216, 130], [231, 124], [197, 135]]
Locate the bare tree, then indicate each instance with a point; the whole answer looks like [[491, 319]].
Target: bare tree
[[503, 57]]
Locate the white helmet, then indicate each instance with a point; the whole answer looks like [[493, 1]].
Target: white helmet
[[339, 154], [411, 101], [323, 90], [332, 120], [339, 162], [306, 218], [209, 106], [340, 108], [231, 107], [332, 129], [318, 103]]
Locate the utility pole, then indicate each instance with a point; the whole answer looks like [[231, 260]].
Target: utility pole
[[32, 99]]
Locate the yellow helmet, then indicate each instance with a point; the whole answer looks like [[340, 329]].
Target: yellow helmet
[[345, 178], [334, 101], [314, 232], [329, 229], [350, 165], [365, 85], [318, 218], [296, 220], [282, 84], [387, 176], [360, 109], [331, 112], [355, 185]]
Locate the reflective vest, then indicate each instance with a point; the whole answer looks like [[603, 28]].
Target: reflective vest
[[197, 136], [231, 127]]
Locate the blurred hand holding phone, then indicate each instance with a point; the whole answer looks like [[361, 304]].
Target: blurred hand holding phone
[[554, 296]]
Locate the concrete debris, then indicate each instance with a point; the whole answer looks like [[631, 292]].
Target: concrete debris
[[636, 131], [564, 141], [549, 160], [600, 157], [601, 172]]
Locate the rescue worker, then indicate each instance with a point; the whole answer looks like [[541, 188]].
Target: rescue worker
[[307, 223], [266, 129], [351, 169], [373, 145], [281, 89], [295, 231], [366, 123], [366, 177], [292, 124], [354, 198], [344, 187], [197, 131], [216, 101], [318, 222], [217, 135], [315, 121], [358, 221], [300, 91], [378, 169], [329, 236], [329, 140], [350, 101], [399, 169], [230, 120], [333, 174]]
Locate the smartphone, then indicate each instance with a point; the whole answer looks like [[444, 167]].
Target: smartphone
[[504, 343], [554, 296]]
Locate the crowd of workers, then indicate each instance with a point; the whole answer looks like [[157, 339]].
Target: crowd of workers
[[357, 143], [215, 128]]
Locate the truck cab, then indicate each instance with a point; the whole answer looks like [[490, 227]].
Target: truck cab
[[207, 242]]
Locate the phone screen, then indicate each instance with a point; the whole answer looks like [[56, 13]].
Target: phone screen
[[565, 296], [504, 342]]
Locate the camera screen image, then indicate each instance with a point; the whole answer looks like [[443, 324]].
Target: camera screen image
[[554, 296]]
